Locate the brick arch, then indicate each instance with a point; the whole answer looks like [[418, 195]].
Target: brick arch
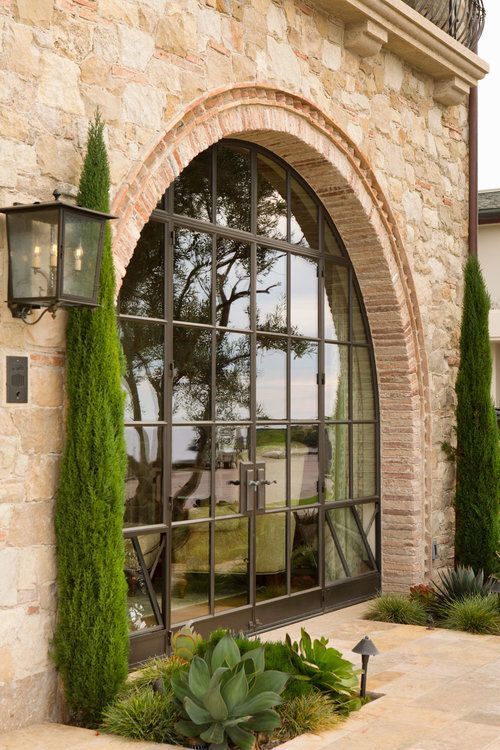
[[294, 128]]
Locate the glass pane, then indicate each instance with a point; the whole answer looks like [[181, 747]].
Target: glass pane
[[304, 464], [363, 459], [304, 556], [271, 199], [363, 406], [271, 377], [336, 302], [191, 464], [271, 290], [142, 290], [233, 187], [304, 296], [143, 481], [358, 325], [231, 447], [233, 376], [334, 569], [140, 610], [271, 449], [231, 563], [192, 276], [142, 381], [193, 188], [367, 514], [304, 217], [34, 261], [336, 382], [270, 551], [190, 577], [192, 375], [81, 242], [336, 462], [304, 384], [331, 243], [233, 284], [350, 540]]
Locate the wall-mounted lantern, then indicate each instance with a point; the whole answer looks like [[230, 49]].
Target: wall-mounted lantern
[[55, 251]]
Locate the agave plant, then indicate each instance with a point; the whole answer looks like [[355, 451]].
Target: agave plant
[[326, 668], [226, 696], [185, 643], [461, 583]]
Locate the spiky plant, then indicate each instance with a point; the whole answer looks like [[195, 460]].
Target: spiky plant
[[397, 608], [475, 614], [454, 585], [142, 714], [91, 640], [477, 459], [305, 714]]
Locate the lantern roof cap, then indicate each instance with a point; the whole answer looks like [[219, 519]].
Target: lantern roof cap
[[58, 202], [366, 647]]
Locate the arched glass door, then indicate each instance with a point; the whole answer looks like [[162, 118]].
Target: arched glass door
[[252, 491]]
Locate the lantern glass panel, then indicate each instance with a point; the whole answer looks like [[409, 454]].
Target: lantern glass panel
[[33, 254], [81, 254]]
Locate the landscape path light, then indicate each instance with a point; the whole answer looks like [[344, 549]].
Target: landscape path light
[[54, 253], [366, 648]]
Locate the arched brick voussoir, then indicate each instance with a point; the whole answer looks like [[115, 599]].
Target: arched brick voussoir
[[293, 128]]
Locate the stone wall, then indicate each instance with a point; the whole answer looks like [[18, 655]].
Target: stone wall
[[143, 63]]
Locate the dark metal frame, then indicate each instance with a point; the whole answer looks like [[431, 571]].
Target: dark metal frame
[[294, 605]]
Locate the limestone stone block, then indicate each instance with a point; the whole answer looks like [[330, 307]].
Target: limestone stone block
[[9, 565], [135, 96], [43, 476], [393, 72], [35, 11], [6, 667], [331, 55], [283, 64], [59, 83], [58, 158], [276, 21], [176, 33], [40, 429], [31, 523], [46, 386], [136, 47]]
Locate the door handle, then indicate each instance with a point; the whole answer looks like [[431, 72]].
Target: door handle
[[268, 481], [235, 482]]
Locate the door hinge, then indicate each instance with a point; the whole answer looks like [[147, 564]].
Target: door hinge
[[169, 638], [320, 378], [172, 236]]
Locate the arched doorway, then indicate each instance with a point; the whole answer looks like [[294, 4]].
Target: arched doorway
[[252, 414]]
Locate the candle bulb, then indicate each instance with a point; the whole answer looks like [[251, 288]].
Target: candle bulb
[[36, 257], [78, 258], [53, 255]]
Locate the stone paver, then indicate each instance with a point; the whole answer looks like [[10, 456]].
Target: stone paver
[[441, 691]]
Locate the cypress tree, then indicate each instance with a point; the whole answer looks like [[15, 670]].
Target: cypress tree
[[91, 641], [477, 494]]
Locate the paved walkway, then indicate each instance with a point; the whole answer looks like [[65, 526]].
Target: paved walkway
[[441, 692]]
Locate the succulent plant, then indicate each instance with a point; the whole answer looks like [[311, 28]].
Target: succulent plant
[[460, 583], [185, 642], [226, 696], [326, 669]]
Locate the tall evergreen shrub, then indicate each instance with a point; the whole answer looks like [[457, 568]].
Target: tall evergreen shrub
[[91, 641], [477, 493]]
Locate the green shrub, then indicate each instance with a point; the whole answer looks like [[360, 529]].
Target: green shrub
[[278, 657], [475, 614], [227, 696], [91, 640], [460, 583], [313, 713], [397, 608], [142, 714], [477, 496], [325, 668]]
